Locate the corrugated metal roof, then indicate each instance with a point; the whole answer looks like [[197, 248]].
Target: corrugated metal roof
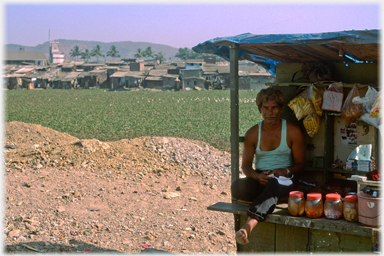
[[153, 78], [25, 70], [158, 72], [25, 55], [118, 74]]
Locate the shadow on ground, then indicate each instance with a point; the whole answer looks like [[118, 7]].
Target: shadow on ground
[[74, 247]]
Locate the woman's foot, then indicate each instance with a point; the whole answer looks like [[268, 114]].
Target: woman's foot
[[241, 236]]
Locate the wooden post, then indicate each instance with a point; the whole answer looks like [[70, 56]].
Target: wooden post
[[234, 90]]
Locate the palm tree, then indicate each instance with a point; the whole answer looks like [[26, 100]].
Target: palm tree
[[160, 57], [75, 52], [183, 53], [149, 53], [86, 55], [113, 52], [139, 53], [96, 52]]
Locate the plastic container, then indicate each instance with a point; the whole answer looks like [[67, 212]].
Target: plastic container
[[333, 206], [349, 208], [296, 203], [314, 205], [369, 210]]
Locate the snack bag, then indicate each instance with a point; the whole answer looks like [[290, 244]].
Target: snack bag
[[376, 108], [302, 104], [367, 100], [312, 123], [317, 100], [352, 111], [333, 97]]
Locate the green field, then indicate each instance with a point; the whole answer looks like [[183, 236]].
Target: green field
[[111, 116]]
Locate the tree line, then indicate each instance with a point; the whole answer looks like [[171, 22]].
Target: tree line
[[183, 53]]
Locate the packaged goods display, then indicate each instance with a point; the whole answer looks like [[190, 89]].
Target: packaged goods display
[[312, 123], [376, 108], [350, 110], [300, 106], [349, 208], [314, 205], [306, 101], [333, 97], [296, 203], [333, 206], [317, 100]]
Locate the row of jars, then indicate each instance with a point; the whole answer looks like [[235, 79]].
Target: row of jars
[[332, 208]]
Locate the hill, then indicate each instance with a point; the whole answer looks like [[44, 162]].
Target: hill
[[127, 49]]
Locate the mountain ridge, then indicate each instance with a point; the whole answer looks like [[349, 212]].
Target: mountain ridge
[[127, 49]]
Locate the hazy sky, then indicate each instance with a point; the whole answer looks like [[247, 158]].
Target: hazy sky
[[177, 25]]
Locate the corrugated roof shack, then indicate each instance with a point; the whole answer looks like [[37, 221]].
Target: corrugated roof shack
[[258, 81], [171, 82], [352, 57], [93, 79], [22, 57], [117, 80], [134, 79]]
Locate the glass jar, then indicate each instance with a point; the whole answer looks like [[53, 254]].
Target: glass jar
[[314, 205], [349, 210], [296, 203], [333, 206]]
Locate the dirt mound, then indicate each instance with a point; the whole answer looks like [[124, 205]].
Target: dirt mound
[[64, 194], [40, 147]]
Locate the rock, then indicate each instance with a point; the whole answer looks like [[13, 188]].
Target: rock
[[193, 199], [60, 209], [169, 195], [220, 232], [14, 233]]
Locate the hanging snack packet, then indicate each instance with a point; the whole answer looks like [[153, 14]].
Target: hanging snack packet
[[376, 107], [312, 123], [317, 100], [302, 104], [333, 97], [350, 110]]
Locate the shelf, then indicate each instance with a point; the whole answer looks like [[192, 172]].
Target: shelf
[[338, 170], [313, 169], [323, 84]]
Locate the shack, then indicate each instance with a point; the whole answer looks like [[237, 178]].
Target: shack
[[348, 57]]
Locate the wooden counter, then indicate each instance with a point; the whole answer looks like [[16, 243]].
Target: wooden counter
[[281, 232]]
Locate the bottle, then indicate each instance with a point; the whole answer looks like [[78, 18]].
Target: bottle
[[333, 206], [314, 205], [349, 208], [296, 203]]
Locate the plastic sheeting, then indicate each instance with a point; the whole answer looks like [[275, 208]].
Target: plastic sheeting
[[220, 46]]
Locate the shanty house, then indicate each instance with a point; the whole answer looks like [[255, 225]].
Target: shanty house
[[93, 79], [133, 79], [192, 82], [171, 82], [257, 81], [117, 80], [25, 57], [194, 64]]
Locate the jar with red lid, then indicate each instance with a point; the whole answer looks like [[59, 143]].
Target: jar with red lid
[[349, 208], [296, 203], [333, 206], [314, 205]]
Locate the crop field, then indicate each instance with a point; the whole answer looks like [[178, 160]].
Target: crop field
[[111, 116]]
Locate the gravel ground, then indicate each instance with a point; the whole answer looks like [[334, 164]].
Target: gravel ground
[[148, 194]]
